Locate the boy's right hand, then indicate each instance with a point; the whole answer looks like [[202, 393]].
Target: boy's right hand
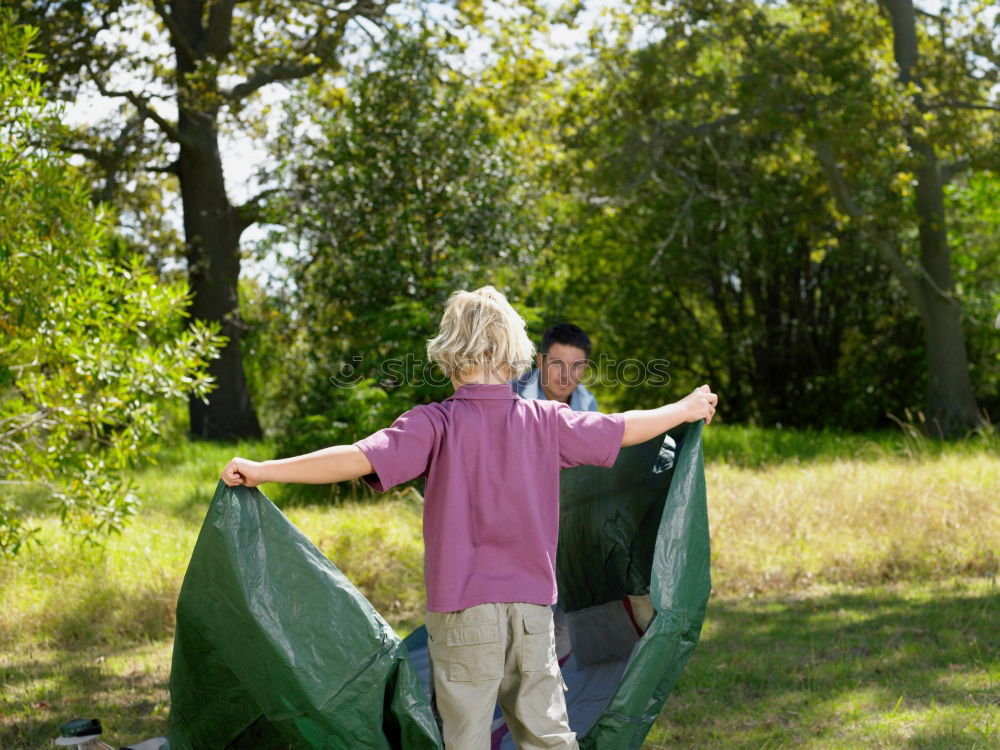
[[700, 404], [240, 471]]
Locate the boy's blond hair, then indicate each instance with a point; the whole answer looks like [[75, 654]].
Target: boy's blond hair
[[480, 330]]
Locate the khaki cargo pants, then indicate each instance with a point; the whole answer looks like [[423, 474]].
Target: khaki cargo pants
[[502, 652]]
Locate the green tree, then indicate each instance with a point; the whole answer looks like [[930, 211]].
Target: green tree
[[92, 343], [774, 96], [206, 60], [973, 232], [400, 193], [937, 86]]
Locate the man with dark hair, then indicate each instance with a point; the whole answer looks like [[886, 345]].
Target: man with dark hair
[[562, 362]]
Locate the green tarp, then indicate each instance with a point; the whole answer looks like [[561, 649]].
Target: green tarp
[[274, 647], [641, 527]]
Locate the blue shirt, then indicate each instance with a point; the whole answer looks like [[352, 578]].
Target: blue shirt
[[528, 386]]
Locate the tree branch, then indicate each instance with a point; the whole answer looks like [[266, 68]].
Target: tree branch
[[956, 104], [909, 278], [171, 168], [320, 45], [24, 422], [682, 215], [180, 43], [249, 213], [111, 160], [845, 202], [140, 104], [951, 170], [904, 38], [264, 76], [89, 152], [220, 26], [941, 24]]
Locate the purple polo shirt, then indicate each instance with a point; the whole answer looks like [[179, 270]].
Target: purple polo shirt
[[491, 502]]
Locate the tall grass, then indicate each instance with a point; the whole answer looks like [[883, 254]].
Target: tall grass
[[763, 447], [854, 521], [796, 517]]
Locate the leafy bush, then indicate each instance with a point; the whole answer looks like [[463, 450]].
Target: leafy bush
[[92, 344]]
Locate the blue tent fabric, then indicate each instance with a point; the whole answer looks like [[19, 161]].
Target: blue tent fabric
[[274, 647]]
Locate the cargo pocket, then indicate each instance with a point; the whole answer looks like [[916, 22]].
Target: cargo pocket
[[539, 647], [474, 652]]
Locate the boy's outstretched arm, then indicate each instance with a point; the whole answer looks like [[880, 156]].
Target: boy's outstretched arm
[[335, 464], [644, 424]]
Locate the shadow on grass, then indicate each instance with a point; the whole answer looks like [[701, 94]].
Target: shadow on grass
[[849, 667], [45, 689], [30, 500], [90, 649]]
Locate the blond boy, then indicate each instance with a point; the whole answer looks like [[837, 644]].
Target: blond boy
[[491, 515]]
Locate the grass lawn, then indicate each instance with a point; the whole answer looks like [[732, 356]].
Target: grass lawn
[[902, 665], [855, 601]]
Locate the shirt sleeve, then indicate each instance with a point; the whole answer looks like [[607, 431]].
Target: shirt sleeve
[[588, 437], [400, 452]]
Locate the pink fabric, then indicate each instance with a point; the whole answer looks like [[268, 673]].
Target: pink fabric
[[491, 502]]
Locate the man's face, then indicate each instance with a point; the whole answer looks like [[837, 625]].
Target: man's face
[[560, 371]]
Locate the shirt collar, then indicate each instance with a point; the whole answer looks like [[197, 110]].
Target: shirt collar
[[479, 390]]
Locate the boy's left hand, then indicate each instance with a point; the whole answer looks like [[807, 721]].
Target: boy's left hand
[[240, 471], [700, 404]]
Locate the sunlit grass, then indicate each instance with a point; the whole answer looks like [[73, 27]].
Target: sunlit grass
[[854, 521], [913, 665], [849, 572]]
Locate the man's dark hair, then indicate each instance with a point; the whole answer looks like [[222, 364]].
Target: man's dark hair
[[567, 334]]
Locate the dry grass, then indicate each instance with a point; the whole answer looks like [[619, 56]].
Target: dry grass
[[854, 521]]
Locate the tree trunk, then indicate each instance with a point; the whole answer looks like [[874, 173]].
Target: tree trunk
[[201, 35], [951, 404], [211, 228], [212, 234]]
